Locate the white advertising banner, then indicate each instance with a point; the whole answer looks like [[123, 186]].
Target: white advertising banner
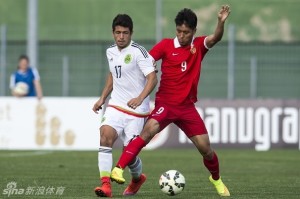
[[53, 123], [70, 124]]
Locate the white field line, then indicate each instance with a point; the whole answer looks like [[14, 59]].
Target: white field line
[[23, 154]]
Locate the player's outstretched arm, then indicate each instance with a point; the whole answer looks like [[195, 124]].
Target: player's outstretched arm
[[211, 40], [106, 91], [150, 85]]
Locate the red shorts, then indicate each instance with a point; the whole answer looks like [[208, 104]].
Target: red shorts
[[186, 117]]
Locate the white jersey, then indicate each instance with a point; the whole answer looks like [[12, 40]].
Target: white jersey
[[129, 68]]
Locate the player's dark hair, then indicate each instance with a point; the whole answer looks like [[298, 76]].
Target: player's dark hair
[[123, 20], [24, 57], [186, 16], [21, 57]]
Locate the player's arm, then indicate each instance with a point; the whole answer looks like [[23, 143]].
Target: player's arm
[[211, 40], [12, 85], [38, 88], [37, 84], [150, 85], [157, 53], [105, 92]]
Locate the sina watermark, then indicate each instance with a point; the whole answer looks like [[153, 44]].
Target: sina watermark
[[12, 189]]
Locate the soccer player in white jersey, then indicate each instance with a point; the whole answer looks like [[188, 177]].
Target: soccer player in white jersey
[[130, 81]]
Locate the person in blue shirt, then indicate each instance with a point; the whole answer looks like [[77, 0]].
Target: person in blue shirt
[[28, 75]]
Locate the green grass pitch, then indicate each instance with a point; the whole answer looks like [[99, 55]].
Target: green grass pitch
[[248, 174]]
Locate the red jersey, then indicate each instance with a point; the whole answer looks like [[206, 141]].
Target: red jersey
[[180, 69]]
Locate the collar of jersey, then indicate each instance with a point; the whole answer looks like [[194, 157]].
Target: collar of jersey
[[177, 44], [23, 72]]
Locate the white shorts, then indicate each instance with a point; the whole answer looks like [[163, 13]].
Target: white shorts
[[127, 126]]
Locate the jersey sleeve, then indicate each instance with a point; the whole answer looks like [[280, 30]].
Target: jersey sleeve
[[107, 55], [36, 75], [202, 45], [157, 51], [145, 62], [12, 82]]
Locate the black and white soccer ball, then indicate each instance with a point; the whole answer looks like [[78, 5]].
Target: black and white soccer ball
[[21, 89], [172, 182]]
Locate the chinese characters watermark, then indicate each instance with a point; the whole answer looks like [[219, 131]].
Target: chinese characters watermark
[[12, 189]]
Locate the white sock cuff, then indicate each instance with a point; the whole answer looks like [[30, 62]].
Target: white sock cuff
[[104, 149], [135, 163]]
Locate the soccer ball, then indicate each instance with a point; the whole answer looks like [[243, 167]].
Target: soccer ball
[[172, 182], [21, 89]]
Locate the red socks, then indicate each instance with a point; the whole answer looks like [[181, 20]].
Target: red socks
[[213, 166], [131, 151], [105, 180], [136, 145]]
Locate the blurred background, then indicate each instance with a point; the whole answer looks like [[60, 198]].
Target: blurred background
[[67, 39]]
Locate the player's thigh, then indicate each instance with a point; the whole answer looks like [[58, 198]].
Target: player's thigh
[[151, 128], [111, 126], [162, 115], [190, 122], [133, 127]]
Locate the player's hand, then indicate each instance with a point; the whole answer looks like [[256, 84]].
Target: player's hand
[[39, 97], [98, 105], [135, 102], [224, 13]]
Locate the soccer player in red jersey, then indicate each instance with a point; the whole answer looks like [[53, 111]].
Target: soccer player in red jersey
[[181, 64]]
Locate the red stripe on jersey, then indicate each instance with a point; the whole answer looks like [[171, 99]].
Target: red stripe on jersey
[[129, 112]]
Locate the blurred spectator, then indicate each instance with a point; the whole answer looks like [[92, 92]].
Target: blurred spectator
[[27, 75]]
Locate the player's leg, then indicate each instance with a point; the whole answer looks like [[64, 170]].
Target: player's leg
[[136, 169], [133, 149], [108, 134], [157, 121], [193, 126], [133, 127], [211, 162], [138, 178], [210, 158]]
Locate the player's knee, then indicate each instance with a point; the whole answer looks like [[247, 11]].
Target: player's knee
[[149, 131], [106, 140], [205, 150], [145, 136], [107, 136], [207, 154]]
